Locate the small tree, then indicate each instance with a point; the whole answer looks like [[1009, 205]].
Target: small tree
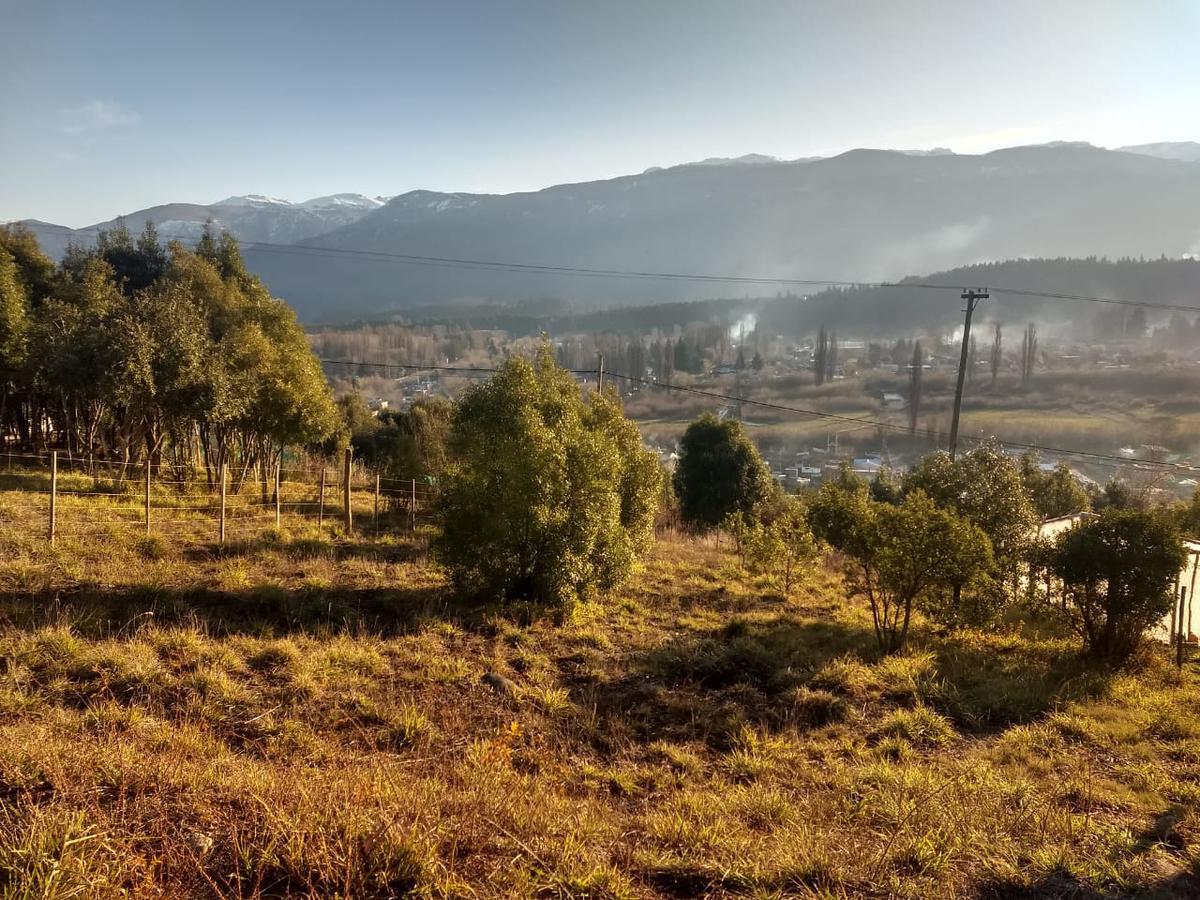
[[1117, 571], [898, 556], [1054, 493], [781, 547], [546, 497], [985, 487], [719, 472]]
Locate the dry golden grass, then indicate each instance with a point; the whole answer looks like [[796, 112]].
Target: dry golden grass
[[296, 716]]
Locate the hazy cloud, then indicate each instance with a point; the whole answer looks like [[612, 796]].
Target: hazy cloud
[[69, 156], [96, 115]]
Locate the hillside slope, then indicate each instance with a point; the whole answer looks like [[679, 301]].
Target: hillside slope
[[864, 215], [296, 716]]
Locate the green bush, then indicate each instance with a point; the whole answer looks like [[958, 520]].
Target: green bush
[[547, 497], [1118, 571], [719, 472]]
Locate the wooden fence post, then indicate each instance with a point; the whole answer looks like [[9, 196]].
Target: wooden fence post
[[147, 496], [53, 494], [321, 503], [347, 493], [1179, 638], [376, 522], [222, 528], [278, 484], [412, 508]]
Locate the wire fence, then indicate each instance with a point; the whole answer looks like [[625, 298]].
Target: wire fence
[[78, 497]]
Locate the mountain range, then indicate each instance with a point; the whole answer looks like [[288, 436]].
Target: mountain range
[[864, 215]]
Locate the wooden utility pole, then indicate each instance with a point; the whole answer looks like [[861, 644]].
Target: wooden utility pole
[[53, 493], [147, 498], [222, 527], [972, 298], [347, 494]]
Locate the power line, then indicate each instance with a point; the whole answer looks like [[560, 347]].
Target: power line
[[588, 272], [931, 434]]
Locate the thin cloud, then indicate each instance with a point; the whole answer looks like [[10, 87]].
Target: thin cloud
[[69, 156], [96, 115]]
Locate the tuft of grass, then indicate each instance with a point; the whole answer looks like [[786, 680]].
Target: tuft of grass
[[152, 547], [920, 726], [815, 707]]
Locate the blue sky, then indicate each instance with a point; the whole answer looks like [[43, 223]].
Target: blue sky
[[112, 106]]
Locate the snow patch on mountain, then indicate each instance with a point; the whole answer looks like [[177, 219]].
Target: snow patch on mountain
[[257, 200], [337, 201]]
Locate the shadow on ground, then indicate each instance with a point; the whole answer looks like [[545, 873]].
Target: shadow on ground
[[1064, 886], [793, 672]]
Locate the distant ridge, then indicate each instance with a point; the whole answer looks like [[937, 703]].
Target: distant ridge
[[861, 215]]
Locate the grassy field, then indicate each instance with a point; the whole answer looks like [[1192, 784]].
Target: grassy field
[[297, 715]]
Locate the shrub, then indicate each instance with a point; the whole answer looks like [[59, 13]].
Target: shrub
[[900, 555], [719, 472], [1117, 571], [548, 498]]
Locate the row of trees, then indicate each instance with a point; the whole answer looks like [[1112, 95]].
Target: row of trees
[[132, 351], [955, 539]]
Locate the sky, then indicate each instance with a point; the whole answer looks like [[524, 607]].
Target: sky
[[109, 107]]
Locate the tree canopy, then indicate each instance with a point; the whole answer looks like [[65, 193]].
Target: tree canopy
[[719, 472], [546, 497], [1118, 570], [131, 350]]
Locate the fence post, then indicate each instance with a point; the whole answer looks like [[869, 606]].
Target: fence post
[[376, 522], [347, 494], [147, 496], [278, 484], [222, 529], [412, 508], [321, 503], [53, 493], [1179, 632]]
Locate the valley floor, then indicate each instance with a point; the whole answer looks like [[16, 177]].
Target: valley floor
[[297, 716]]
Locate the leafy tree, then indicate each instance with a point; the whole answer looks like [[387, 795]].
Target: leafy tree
[[14, 319], [1187, 515], [1117, 494], [839, 512], [899, 556], [782, 547], [546, 497], [984, 486], [1054, 493], [719, 472], [1117, 571], [35, 270]]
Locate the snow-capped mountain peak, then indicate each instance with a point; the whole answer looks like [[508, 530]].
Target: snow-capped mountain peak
[[355, 201], [258, 200]]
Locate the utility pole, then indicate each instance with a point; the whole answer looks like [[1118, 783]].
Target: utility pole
[[972, 298], [600, 380]]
